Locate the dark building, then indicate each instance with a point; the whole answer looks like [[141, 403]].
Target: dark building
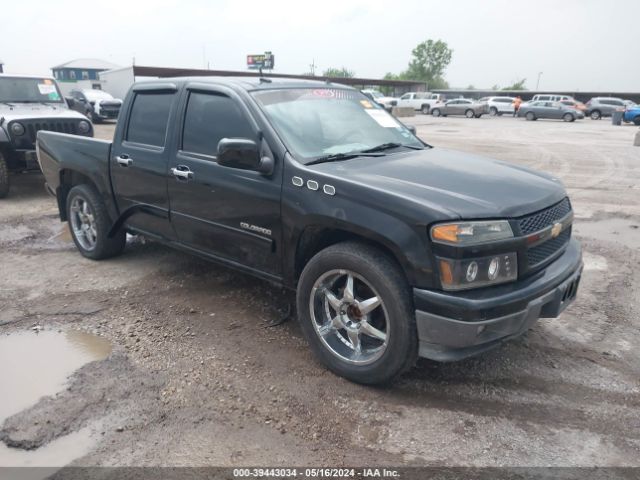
[[81, 69]]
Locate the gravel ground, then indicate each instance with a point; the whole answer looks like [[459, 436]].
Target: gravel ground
[[197, 377]]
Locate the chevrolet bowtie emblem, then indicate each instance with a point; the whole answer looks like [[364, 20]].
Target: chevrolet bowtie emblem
[[556, 229]]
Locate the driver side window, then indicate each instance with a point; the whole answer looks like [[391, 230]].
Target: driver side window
[[209, 118]]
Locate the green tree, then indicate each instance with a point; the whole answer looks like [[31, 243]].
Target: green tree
[[338, 73], [429, 60], [519, 85], [495, 87]]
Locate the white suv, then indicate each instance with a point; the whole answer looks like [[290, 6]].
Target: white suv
[[499, 105]]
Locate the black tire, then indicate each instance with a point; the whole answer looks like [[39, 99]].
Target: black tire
[[636, 120], [104, 247], [567, 117], [425, 109], [4, 177], [469, 113], [388, 280], [530, 116], [493, 111], [435, 112], [595, 115]]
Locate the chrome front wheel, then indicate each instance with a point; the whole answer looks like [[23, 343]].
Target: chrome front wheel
[[349, 317]]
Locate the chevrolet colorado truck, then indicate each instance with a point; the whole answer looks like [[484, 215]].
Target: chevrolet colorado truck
[[395, 249], [29, 104]]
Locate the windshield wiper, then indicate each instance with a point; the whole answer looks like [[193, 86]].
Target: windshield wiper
[[389, 146], [8, 104], [336, 157]]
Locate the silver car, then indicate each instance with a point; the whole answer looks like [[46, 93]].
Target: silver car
[[599, 107], [552, 110], [460, 106]]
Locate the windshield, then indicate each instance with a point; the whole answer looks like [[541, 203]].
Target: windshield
[[94, 95], [315, 122], [375, 93], [16, 89]]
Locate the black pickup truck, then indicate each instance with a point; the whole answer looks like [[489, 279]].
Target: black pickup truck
[[396, 249]]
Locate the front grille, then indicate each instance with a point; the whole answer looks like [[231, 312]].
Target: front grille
[[51, 126], [542, 252], [544, 218], [27, 141]]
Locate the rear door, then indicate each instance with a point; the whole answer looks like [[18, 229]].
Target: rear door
[[227, 213], [463, 106], [139, 160], [552, 110]]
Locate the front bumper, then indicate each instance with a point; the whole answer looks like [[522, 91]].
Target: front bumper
[[453, 326]]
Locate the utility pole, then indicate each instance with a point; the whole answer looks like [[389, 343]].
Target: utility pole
[[538, 82], [312, 66]]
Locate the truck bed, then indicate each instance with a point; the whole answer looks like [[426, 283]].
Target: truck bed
[[60, 153]]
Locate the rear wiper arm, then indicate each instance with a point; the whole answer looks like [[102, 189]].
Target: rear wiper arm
[[336, 157], [389, 146]]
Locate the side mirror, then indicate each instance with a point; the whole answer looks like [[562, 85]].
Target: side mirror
[[412, 129], [70, 101], [243, 154]]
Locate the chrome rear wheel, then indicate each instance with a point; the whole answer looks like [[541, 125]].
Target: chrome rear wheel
[[83, 223]]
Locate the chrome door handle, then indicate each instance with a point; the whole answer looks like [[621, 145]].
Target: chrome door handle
[[124, 161], [182, 173]]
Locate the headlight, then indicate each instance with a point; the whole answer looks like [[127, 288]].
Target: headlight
[[84, 126], [478, 272], [17, 129], [471, 233]]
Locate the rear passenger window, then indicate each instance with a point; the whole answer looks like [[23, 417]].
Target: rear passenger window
[[149, 118], [210, 118]]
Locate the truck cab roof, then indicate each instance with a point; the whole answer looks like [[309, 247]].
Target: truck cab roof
[[245, 83]]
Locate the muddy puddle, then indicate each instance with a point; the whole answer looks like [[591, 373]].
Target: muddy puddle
[[619, 230], [36, 364]]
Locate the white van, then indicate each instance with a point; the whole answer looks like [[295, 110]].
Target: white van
[[551, 97]]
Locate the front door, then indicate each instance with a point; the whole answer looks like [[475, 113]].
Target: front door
[[230, 214], [139, 164]]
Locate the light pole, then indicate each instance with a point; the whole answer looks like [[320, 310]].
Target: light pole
[[538, 82]]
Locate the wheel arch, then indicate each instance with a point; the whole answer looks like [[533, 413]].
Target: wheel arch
[[315, 238], [69, 178]]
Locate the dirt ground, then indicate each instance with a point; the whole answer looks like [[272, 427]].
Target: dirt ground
[[197, 377]]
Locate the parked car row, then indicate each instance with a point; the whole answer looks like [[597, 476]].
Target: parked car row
[[552, 106]]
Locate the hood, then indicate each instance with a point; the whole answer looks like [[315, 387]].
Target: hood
[[28, 111], [455, 183]]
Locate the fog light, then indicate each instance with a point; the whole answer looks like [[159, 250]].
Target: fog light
[[494, 268], [17, 129], [472, 271]]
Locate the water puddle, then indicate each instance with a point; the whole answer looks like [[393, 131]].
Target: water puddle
[[58, 453], [618, 230], [33, 365]]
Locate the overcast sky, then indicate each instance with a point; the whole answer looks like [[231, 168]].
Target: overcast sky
[[577, 44]]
